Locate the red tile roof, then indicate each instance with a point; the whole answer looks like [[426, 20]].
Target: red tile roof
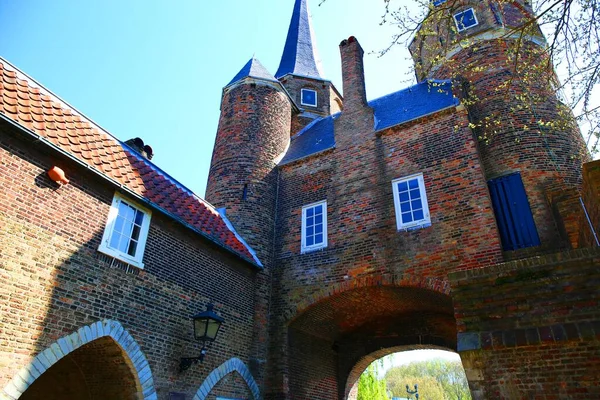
[[39, 111]]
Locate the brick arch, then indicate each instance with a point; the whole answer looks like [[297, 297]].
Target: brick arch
[[351, 387], [68, 344], [397, 280], [232, 365]]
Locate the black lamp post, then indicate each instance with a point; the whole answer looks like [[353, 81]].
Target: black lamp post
[[206, 328], [415, 392]]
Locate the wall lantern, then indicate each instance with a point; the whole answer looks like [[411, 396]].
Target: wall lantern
[[206, 328]]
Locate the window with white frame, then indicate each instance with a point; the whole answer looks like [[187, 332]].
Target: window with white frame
[[308, 97], [314, 226], [410, 202], [126, 231], [465, 19]]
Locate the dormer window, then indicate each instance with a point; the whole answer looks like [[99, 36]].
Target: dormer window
[[308, 97], [465, 19]]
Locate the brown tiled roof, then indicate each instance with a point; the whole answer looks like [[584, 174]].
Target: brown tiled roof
[[43, 113]]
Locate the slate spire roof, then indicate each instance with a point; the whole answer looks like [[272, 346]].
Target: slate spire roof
[[253, 69], [300, 55]]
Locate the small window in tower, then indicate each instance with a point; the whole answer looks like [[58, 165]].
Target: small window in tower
[[465, 19], [314, 226], [126, 231], [308, 97], [410, 202]]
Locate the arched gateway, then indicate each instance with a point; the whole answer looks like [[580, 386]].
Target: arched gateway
[[99, 361], [332, 338]]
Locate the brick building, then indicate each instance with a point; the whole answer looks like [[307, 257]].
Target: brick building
[[335, 231]]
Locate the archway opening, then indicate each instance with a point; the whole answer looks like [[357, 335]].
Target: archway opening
[[435, 374], [99, 370], [330, 338]]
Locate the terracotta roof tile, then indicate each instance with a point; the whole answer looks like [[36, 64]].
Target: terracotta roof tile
[[46, 115]]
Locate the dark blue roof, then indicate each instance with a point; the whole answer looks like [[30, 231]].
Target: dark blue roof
[[314, 138], [300, 52], [416, 101], [403, 106], [253, 69]]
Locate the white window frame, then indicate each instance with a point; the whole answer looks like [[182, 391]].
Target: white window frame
[[302, 97], [465, 27], [108, 230], [303, 247], [426, 221]]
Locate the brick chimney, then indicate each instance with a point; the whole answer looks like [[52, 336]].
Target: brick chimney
[[353, 75]]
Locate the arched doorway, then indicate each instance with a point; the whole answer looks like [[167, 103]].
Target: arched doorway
[[98, 361], [329, 338], [97, 370]]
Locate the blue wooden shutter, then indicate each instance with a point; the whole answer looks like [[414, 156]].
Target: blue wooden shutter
[[513, 214]]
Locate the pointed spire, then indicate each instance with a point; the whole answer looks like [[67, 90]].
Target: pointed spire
[[253, 69], [300, 52]]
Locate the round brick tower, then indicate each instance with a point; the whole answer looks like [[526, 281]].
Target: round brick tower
[[519, 122], [254, 129]]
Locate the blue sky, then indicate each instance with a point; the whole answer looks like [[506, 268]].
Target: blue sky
[[155, 68]]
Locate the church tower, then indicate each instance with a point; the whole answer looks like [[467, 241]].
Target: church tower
[[528, 140], [301, 74]]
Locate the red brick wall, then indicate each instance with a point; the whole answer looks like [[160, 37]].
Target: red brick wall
[[549, 159], [53, 280], [531, 328], [363, 241]]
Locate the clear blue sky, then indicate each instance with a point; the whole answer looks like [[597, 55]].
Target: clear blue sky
[[155, 68]]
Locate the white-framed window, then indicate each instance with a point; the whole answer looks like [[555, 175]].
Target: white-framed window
[[308, 97], [314, 226], [465, 19], [410, 202], [126, 231]]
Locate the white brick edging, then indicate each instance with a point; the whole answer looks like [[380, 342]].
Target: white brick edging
[[233, 364], [67, 344]]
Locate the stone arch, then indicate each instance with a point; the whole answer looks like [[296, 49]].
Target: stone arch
[[68, 344], [232, 365], [397, 280], [351, 386]]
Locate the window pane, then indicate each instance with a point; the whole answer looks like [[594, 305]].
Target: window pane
[[319, 238], [319, 219], [132, 248], [419, 215], [139, 217], [413, 184], [415, 194], [402, 186], [319, 228], [406, 218], [310, 221], [135, 234], [404, 196], [310, 240], [416, 204], [310, 231], [119, 224], [114, 240], [405, 207], [310, 212], [319, 210]]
